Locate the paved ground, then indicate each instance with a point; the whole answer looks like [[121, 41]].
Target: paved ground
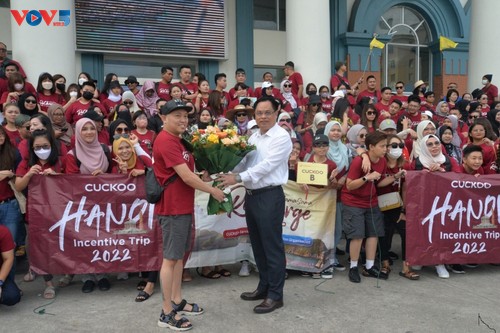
[[336, 305]]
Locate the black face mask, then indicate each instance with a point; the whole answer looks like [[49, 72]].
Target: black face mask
[[423, 90], [61, 86], [87, 95], [311, 92]]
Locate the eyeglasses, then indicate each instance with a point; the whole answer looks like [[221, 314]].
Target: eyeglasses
[[30, 101], [361, 136], [316, 104], [121, 130], [433, 144], [396, 145], [264, 114], [241, 114], [320, 145], [128, 103], [37, 148], [399, 87], [370, 113], [287, 85]]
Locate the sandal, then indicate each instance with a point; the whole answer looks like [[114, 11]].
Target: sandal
[[195, 308], [49, 292], [21, 251], [209, 275], [30, 276], [410, 275], [169, 321], [386, 268], [142, 296], [141, 285], [65, 281], [224, 272]]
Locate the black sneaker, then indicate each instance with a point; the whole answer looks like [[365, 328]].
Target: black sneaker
[[374, 272], [354, 275], [339, 252], [457, 269], [393, 256]]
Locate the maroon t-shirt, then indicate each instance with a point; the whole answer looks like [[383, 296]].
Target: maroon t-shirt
[[14, 136], [163, 90], [296, 80], [366, 195], [365, 93], [146, 140], [178, 197], [6, 241], [76, 111], [47, 100], [108, 106], [233, 96]]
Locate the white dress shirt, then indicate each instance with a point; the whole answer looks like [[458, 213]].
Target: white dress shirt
[[268, 164]]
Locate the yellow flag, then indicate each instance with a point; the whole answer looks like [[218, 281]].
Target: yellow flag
[[376, 43], [446, 43]]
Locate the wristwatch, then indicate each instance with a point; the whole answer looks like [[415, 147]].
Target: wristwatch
[[364, 179], [238, 178]]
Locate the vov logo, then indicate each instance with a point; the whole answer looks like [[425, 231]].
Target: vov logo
[[35, 17]]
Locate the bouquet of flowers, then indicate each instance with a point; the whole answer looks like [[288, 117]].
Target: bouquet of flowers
[[217, 151]]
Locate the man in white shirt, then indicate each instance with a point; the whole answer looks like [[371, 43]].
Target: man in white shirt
[[266, 170]]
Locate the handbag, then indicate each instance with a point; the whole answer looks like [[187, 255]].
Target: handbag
[[389, 201], [154, 189], [21, 199]]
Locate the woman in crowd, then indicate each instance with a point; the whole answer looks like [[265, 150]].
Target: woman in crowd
[[114, 97], [16, 86], [442, 111], [291, 102], [445, 134], [60, 83], [341, 114], [431, 158], [394, 218], [215, 103], [483, 102], [284, 117], [305, 119], [88, 157], [369, 118], [94, 113], [241, 91], [326, 100], [130, 101], [452, 98], [294, 159], [44, 160], [494, 119], [46, 92], [202, 97], [10, 112], [146, 137], [425, 127], [28, 104], [147, 97], [62, 130], [356, 140], [205, 119], [240, 116], [176, 92], [106, 87], [477, 136], [453, 122], [311, 89]]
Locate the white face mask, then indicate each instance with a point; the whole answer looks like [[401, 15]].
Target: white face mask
[[47, 85], [18, 86], [81, 81], [73, 94], [395, 152], [484, 82], [43, 154]]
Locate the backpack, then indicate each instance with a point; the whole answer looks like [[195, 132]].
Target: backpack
[[107, 152], [153, 188]]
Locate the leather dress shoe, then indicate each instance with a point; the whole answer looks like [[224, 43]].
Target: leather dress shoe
[[253, 296], [269, 305], [88, 286]]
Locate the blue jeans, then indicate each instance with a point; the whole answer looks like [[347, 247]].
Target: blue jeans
[[11, 294], [10, 216]]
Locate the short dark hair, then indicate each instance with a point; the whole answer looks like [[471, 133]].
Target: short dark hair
[[385, 88], [265, 73], [413, 98], [240, 85], [160, 100], [270, 99], [88, 83], [290, 64], [339, 64], [218, 76], [54, 153], [184, 66], [240, 70], [373, 138], [370, 77], [397, 101], [471, 149], [428, 93], [164, 69]]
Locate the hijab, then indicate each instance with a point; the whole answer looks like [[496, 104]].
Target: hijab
[[318, 118], [282, 119], [425, 156], [288, 95], [352, 134], [457, 142], [113, 126], [66, 137], [147, 103], [420, 134], [451, 149], [133, 159], [337, 151], [130, 95], [438, 109], [21, 106], [91, 155]]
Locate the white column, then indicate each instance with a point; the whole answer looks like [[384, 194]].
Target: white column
[[483, 50], [308, 39], [44, 48]]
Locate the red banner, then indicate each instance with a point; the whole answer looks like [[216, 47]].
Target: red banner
[[452, 218], [86, 224]]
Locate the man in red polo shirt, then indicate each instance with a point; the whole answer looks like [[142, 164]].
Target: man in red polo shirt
[[370, 91], [295, 78], [163, 87], [490, 89]]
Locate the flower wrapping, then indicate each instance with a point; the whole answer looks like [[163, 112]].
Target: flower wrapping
[[217, 151]]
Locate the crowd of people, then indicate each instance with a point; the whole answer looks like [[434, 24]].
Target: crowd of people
[[368, 138]]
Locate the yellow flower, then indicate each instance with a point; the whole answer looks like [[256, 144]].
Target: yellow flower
[[213, 138]]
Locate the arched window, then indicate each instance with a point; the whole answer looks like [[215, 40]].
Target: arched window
[[406, 57]]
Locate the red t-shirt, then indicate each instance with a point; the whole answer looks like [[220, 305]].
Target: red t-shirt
[[402, 98], [296, 80], [395, 186], [382, 107], [163, 90], [491, 91], [365, 93], [366, 195], [258, 92], [108, 106], [326, 105], [232, 94], [479, 171], [146, 140], [59, 167], [5, 189], [6, 241], [336, 80], [188, 88], [140, 163], [178, 197], [76, 111], [14, 136], [47, 100], [28, 87], [24, 151]]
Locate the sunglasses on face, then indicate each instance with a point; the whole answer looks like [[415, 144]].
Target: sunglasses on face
[[361, 136], [396, 145], [316, 104], [433, 144], [400, 87], [370, 113], [121, 130], [287, 85], [473, 117], [241, 114], [320, 145], [288, 120], [128, 103], [30, 101]]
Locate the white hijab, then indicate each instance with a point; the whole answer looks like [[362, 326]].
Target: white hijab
[[425, 156]]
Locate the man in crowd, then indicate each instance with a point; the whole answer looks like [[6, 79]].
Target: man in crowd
[[371, 90], [490, 89], [163, 87], [220, 85], [132, 84], [240, 76], [189, 89], [295, 78], [385, 101]]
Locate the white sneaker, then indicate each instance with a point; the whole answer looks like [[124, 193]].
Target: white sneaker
[[245, 268], [442, 272], [122, 276], [417, 267]]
